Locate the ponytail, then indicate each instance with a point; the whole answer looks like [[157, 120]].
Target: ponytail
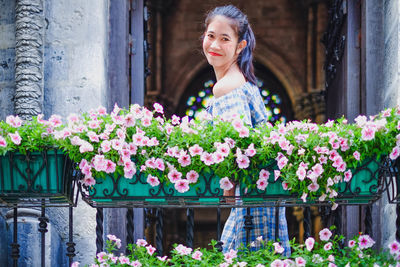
[[245, 58], [244, 32]]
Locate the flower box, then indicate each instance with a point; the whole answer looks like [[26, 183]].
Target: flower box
[[364, 187], [36, 178]]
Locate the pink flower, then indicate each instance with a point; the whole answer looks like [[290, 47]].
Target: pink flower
[[197, 255], [328, 246], [300, 262], [207, 158], [182, 186], [237, 124], [85, 147], [301, 173], [262, 183], [129, 172], [365, 241], [159, 164], [310, 243], [3, 142], [141, 242], [284, 144], [175, 120], [278, 248], [277, 263], [123, 260], [99, 163], [244, 132], [218, 157], [356, 155], [277, 174], [285, 185], [14, 121], [117, 144], [264, 174], [395, 153], [242, 161], [158, 108], [352, 243], [325, 234], [162, 258], [129, 120], [313, 187], [322, 197], [102, 256], [152, 180], [55, 120], [368, 133], [110, 167], [347, 176], [192, 176], [230, 142], [174, 176], [317, 169], [250, 151], [146, 121], [225, 184], [341, 167], [224, 149], [75, 264], [394, 247], [184, 160], [304, 197], [183, 250], [136, 263], [150, 249], [15, 138], [282, 162], [231, 254]]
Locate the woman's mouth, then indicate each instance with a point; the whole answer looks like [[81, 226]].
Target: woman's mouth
[[214, 54]]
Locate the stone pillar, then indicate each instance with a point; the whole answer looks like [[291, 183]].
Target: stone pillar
[[29, 52]]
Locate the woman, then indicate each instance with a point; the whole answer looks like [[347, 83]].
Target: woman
[[228, 45]]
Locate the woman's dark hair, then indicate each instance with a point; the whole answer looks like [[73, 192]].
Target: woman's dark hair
[[244, 31]]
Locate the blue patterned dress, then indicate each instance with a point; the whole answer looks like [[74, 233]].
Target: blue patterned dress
[[246, 100]]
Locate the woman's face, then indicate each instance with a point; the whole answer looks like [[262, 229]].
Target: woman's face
[[220, 43]]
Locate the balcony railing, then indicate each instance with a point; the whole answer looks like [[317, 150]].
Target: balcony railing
[[31, 184]]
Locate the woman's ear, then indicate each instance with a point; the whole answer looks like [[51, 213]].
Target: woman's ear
[[241, 45]]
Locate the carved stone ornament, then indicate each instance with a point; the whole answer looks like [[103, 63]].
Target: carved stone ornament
[[29, 22]]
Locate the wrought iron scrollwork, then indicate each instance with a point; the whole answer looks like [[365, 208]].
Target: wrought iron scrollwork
[[37, 179], [368, 183]]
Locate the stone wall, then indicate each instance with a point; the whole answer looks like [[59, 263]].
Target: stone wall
[[7, 55], [75, 80], [390, 97]]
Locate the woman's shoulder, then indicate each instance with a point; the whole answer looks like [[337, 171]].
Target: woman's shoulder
[[227, 85]]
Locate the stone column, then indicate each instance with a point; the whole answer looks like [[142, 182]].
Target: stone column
[[28, 102], [29, 52]]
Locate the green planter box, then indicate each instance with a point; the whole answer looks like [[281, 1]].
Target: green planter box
[[364, 187], [136, 192], [35, 179]]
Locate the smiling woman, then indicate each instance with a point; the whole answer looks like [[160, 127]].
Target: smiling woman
[[228, 45]]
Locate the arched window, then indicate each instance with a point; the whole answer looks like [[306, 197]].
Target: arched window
[[196, 98]]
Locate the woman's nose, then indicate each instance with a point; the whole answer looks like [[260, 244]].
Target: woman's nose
[[215, 44]]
